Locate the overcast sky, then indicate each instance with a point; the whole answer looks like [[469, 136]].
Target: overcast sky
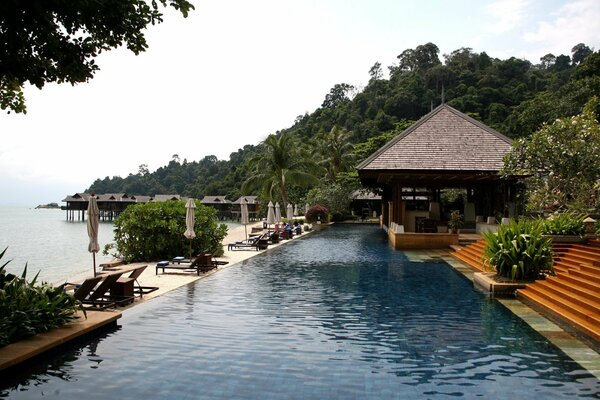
[[235, 71]]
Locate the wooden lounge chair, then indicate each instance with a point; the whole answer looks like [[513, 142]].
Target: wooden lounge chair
[[100, 298], [201, 263], [139, 289], [83, 290], [255, 242]]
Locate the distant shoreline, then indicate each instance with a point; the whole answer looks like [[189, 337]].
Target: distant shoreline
[[52, 206]]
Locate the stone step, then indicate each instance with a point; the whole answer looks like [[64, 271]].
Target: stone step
[[578, 257], [565, 304], [578, 281], [592, 295], [585, 275], [590, 329], [572, 295]]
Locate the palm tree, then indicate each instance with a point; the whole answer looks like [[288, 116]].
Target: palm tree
[[336, 152], [280, 164]]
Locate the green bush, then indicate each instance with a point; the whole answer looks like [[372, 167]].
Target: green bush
[[568, 223], [154, 231], [519, 250], [27, 309], [339, 216]]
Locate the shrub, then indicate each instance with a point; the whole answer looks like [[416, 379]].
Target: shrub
[[339, 216], [518, 250], [27, 309], [317, 213], [154, 231], [568, 223]]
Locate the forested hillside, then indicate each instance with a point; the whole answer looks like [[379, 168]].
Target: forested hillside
[[513, 96]]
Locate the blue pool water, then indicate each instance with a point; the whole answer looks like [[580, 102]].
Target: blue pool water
[[336, 315]]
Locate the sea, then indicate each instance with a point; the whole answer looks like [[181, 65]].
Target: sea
[[50, 245]]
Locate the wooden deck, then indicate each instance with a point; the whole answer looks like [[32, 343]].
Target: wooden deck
[[25, 349]]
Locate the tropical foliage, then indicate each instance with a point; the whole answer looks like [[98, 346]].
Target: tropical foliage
[[48, 42], [568, 223], [511, 95], [519, 250], [563, 162], [280, 165], [154, 231], [29, 308]]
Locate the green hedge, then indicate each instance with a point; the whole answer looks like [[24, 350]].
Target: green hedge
[[154, 231], [27, 308]]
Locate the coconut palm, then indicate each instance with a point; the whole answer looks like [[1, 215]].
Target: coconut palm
[[279, 165], [336, 152]]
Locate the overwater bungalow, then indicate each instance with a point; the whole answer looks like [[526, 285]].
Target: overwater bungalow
[[110, 205], [445, 149]]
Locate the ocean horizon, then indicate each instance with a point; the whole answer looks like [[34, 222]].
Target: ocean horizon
[[49, 244]]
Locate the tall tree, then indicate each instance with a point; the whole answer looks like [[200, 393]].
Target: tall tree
[[563, 162], [336, 151], [338, 94], [58, 41], [580, 52], [278, 166]]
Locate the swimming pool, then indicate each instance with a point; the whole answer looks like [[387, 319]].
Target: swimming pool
[[338, 314]]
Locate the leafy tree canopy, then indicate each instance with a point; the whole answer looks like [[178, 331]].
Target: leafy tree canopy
[[563, 162], [512, 95], [58, 41]]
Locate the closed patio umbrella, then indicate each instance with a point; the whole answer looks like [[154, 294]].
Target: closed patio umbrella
[[190, 221], [296, 209], [270, 214], [92, 228], [290, 212], [244, 218], [277, 213]]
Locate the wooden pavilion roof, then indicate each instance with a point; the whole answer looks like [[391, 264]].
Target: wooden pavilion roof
[[444, 148]]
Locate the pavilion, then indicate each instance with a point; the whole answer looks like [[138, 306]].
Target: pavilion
[[445, 149]]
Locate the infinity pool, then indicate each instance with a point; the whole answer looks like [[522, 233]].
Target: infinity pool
[[336, 315]]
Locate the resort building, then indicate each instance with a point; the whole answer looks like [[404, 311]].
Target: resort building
[[110, 205], [445, 149], [222, 205], [253, 207]]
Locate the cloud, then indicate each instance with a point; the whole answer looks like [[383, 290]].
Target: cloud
[[507, 15], [575, 22]]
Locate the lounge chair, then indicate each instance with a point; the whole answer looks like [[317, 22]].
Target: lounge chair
[[83, 290], [201, 263], [254, 242], [139, 289], [100, 298]]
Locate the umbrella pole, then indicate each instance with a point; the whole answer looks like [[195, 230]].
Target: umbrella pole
[[246, 231], [94, 261]]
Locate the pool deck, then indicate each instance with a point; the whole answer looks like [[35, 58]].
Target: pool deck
[[25, 349]]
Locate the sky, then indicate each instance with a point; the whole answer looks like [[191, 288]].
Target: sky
[[235, 71]]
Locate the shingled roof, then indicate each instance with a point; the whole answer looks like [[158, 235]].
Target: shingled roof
[[444, 140]]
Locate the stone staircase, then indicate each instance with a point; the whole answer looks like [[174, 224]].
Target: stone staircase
[[470, 254], [572, 295]]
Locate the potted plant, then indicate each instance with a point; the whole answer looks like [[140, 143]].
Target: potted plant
[[455, 222]]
